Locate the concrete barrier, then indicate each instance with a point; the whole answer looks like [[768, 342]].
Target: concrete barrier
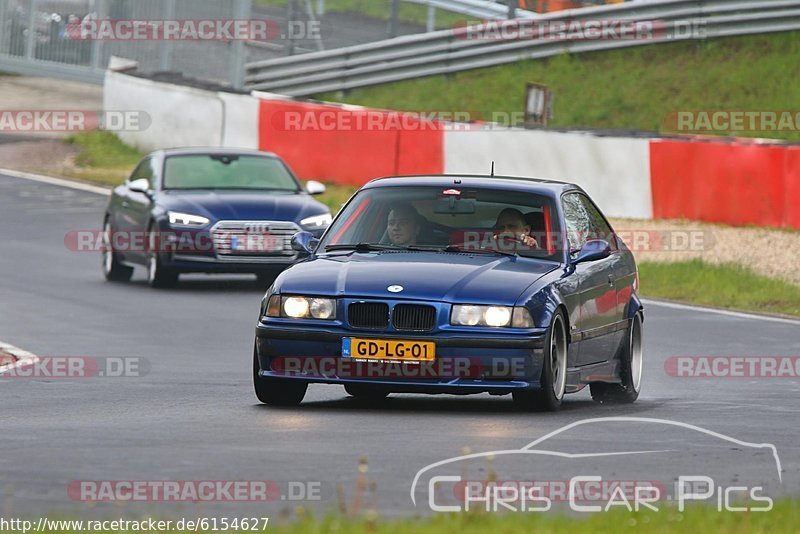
[[741, 182], [181, 116], [615, 171]]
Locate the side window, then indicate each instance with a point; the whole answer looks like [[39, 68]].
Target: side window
[[577, 220], [598, 227], [584, 222], [144, 170]]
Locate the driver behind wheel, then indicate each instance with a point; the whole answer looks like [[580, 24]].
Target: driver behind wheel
[[511, 226], [403, 225]]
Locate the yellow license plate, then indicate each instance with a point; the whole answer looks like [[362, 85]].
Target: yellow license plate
[[388, 349]]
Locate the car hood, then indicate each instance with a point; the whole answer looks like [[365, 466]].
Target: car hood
[[242, 205], [441, 276]]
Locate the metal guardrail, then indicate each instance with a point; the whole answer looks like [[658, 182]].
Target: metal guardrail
[[449, 51]]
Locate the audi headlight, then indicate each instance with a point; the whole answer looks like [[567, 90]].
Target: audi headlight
[[495, 316], [177, 218], [317, 222], [297, 307]]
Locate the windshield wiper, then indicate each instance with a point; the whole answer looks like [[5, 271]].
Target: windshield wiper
[[363, 247]]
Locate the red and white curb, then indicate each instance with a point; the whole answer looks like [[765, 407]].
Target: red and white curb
[[12, 357]]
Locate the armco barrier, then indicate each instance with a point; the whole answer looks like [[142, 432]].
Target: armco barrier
[[725, 182], [335, 143]]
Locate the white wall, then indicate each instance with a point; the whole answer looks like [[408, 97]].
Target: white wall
[[180, 116], [615, 171], [239, 121]]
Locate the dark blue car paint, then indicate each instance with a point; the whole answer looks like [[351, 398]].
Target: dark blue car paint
[[544, 287], [136, 212]]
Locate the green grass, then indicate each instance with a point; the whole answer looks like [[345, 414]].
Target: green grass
[[102, 158], [335, 195], [722, 286], [629, 88], [783, 518], [379, 9]]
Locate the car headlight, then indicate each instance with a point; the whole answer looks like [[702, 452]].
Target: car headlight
[[495, 316], [178, 218], [317, 222], [301, 307]]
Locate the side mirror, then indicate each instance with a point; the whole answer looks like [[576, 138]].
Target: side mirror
[[142, 185], [314, 187], [593, 250], [304, 242]]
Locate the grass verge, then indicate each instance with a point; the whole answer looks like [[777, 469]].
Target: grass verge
[[380, 9], [721, 286], [631, 88], [102, 158]]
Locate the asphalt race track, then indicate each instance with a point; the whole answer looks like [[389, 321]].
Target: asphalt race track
[[194, 416]]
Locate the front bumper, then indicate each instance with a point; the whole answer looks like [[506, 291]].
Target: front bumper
[[199, 251], [464, 363]]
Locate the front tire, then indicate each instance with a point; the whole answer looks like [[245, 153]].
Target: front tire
[[277, 391], [553, 382], [158, 275], [113, 270], [631, 364]]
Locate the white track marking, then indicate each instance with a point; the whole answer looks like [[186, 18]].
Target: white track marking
[[61, 182], [23, 357]]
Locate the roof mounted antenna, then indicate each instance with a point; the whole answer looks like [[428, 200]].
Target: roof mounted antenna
[[492, 167]]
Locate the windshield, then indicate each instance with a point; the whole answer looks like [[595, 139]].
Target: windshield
[[227, 171], [490, 221]]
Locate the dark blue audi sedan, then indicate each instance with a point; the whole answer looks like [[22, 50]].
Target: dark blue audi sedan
[[208, 210], [456, 284]]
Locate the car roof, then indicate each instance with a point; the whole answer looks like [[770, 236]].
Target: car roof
[[208, 150], [515, 183]]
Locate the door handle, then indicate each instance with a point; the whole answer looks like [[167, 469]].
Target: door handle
[[125, 204], [610, 280]]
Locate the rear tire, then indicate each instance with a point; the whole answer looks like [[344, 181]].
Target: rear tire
[[113, 270], [158, 275], [277, 391], [553, 381], [366, 391], [631, 364]]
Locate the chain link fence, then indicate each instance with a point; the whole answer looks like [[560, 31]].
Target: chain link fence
[[35, 36], [38, 37]]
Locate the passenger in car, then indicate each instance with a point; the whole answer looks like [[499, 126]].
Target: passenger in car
[[511, 225], [403, 225]]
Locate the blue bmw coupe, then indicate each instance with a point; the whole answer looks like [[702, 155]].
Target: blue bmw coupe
[[456, 284], [208, 210]]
